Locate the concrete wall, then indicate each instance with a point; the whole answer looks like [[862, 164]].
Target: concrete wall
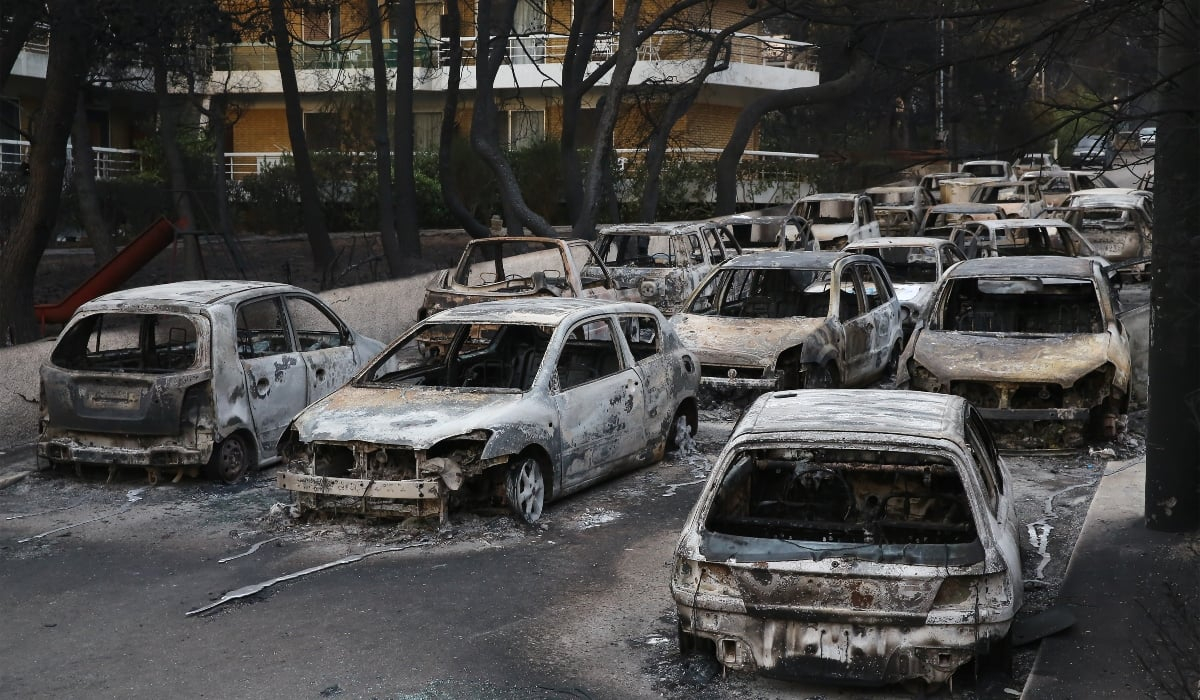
[[382, 310]]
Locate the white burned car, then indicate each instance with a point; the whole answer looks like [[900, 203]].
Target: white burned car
[[666, 261], [782, 320], [914, 264], [191, 374], [863, 536], [515, 403]]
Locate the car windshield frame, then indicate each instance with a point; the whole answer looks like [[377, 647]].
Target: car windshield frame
[[1018, 304]]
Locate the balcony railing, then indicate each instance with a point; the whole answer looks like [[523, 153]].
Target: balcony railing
[[110, 162], [430, 53]]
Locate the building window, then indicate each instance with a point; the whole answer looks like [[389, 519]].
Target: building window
[[316, 25], [427, 131], [522, 128], [321, 131]]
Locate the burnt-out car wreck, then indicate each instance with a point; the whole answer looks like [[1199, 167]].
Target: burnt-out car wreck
[[1035, 343], [867, 537], [182, 377], [497, 403]]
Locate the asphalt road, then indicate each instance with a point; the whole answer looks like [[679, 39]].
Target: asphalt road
[[578, 608]]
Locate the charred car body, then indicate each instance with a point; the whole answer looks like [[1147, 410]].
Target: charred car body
[[1020, 200], [837, 218], [860, 536], [529, 401], [506, 267], [914, 264], [793, 319], [1034, 343], [664, 262], [899, 209], [780, 231], [1119, 227], [941, 219], [191, 374], [1009, 237]]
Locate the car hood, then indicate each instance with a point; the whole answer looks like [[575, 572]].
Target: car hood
[[752, 342], [914, 293], [417, 417], [1062, 360]]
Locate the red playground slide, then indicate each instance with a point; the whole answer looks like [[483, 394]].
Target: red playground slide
[[113, 273]]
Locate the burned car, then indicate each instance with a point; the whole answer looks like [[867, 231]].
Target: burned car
[[941, 219], [793, 319], [189, 375], [899, 208], [1019, 200], [1035, 343], [530, 401], [861, 536], [1118, 226], [664, 262], [837, 218], [914, 264], [780, 231], [1008, 237], [505, 267]]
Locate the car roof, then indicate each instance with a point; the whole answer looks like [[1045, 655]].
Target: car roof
[[985, 162], [891, 188], [656, 229], [856, 411], [1029, 265], [753, 219], [534, 310], [896, 242], [799, 259], [1022, 223], [963, 208], [829, 196], [193, 293]]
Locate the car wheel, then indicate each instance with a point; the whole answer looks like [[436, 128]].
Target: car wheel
[[1105, 421], [525, 489], [682, 429], [893, 363], [230, 460], [819, 377]]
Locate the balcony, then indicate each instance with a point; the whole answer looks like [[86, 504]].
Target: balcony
[[754, 62], [110, 162]]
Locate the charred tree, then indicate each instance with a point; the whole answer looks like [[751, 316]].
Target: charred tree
[[1173, 440], [383, 155], [408, 226], [83, 176], [306, 180], [450, 189]]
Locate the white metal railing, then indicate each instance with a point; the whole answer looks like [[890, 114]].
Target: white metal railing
[[109, 162], [538, 47]]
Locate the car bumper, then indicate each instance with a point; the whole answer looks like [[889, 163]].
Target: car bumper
[[1034, 414], [403, 498], [861, 651], [67, 450]]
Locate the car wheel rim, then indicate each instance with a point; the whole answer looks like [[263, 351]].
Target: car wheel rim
[[231, 460], [682, 432], [530, 490]]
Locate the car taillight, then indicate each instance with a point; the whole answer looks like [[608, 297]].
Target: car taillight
[[704, 578], [986, 596]]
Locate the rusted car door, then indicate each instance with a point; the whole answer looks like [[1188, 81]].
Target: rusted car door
[[600, 404], [857, 324], [324, 344], [276, 375]]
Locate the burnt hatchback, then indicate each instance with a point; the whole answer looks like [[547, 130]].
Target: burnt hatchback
[[865, 536], [191, 374], [496, 403]]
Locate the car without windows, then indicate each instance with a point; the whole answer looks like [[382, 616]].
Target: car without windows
[[1056, 185], [509, 267], [1009, 237], [941, 219], [862, 536], [1022, 199], [190, 375], [914, 264], [932, 183], [664, 262], [792, 319], [996, 169], [1148, 136], [780, 231], [899, 209], [1117, 226], [1033, 161], [529, 401], [1058, 366], [836, 218], [1109, 195]]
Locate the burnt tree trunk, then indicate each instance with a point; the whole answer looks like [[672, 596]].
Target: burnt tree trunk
[[450, 193], [1173, 440], [66, 69], [83, 175], [383, 154], [170, 107], [310, 196], [408, 225]]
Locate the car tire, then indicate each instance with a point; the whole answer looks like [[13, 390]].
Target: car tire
[[1105, 421], [230, 459], [683, 420], [819, 377], [893, 363], [525, 489]]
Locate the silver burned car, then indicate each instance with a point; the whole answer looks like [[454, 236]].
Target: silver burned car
[[516, 402], [780, 319], [865, 536], [191, 374]]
